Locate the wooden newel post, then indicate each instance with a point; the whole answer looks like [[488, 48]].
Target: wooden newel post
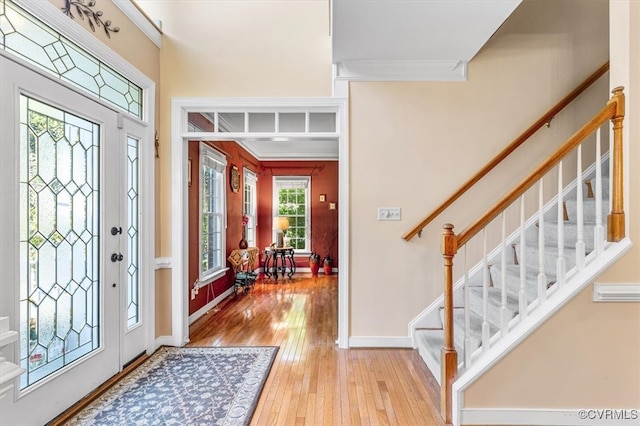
[[615, 221], [449, 359]]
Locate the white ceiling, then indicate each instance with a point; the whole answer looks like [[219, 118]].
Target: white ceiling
[[412, 39]]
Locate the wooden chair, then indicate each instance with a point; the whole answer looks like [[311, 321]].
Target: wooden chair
[[243, 263]]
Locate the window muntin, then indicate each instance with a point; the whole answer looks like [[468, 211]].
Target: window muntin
[[29, 38], [212, 211], [249, 205], [291, 198]]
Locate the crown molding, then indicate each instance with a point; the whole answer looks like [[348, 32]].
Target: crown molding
[[141, 20], [401, 70]]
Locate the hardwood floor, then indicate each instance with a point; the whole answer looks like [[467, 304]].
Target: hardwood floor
[[312, 382]]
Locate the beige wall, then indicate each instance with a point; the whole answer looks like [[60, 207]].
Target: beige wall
[[584, 356], [228, 48], [588, 353], [428, 138]]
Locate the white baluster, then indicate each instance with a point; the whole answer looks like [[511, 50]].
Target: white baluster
[[598, 231], [523, 269], [503, 279], [542, 276], [580, 249], [486, 335], [467, 321], [561, 264]]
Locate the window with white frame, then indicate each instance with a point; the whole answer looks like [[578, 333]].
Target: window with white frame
[[212, 211], [249, 203], [291, 198]]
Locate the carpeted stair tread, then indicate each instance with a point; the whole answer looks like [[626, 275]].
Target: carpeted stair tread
[[430, 341], [513, 281], [570, 234], [495, 304], [588, 210], [550, 257], [475, 328]]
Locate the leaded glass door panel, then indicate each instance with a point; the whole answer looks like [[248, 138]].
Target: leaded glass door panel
[[60, 195]]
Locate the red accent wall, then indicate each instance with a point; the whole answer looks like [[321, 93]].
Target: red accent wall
[[236, 156], [324, 222]]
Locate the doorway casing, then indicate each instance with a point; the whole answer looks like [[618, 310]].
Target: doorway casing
[[180, 107]]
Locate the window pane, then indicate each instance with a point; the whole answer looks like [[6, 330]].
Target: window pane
[[262, 122], [231, 122], [59, 239], [322, 122], [291, 122], [29, 38], [212, 211]]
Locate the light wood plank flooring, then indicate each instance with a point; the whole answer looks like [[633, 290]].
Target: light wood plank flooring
[[312, 382]]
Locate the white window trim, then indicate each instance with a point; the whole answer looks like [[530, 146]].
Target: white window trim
[[251, 178], [206, 277], [306, 179]]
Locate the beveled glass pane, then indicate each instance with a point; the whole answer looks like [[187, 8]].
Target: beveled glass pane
[[262, 122], [292, 122], [59, 240], [322, 122], [133, 225], [27, 37]]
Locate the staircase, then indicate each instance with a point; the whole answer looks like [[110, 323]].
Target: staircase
[[429, 340], [531, 273]]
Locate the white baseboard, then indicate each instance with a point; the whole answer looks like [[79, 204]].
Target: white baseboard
[[164, 341], [206, 308], [616, 292], [559, 417], [380, 342]]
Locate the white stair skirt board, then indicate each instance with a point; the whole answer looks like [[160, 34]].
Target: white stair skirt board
[[559, 297], [616, 292], [559, 417], [380, 342]]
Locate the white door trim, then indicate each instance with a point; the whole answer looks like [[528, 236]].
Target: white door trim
[[179, 214]]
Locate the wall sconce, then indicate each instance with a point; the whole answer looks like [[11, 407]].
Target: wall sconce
[[280, 224]]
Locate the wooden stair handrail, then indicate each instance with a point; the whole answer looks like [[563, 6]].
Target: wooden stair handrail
[[614, 111], [606, 113], [546, 118]]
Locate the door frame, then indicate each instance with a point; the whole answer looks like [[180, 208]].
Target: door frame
[[179, 188], [50, 15]]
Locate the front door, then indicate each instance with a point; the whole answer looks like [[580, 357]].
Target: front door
[[61, 257]]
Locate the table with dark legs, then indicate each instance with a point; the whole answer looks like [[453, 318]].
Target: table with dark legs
[[279, 261]]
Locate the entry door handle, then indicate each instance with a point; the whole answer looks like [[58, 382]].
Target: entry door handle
[[115, 230], [117, 257]]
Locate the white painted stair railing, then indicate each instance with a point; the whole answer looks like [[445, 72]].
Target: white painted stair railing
[[544, 261]]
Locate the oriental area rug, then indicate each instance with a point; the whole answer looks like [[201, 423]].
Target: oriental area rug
[[186, 386]]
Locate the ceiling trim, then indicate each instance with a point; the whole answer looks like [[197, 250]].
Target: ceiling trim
[[402, 70], [141, 20]]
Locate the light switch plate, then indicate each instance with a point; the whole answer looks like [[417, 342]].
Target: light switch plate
[[388, 213]]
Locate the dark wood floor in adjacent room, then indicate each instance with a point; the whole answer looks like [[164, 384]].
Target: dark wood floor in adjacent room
[[312, 382]]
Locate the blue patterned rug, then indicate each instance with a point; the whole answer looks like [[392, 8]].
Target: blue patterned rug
[[186, 386]]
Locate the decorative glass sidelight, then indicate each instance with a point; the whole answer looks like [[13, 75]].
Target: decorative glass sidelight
[[133, 227], [59, 239], [29, 38]]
